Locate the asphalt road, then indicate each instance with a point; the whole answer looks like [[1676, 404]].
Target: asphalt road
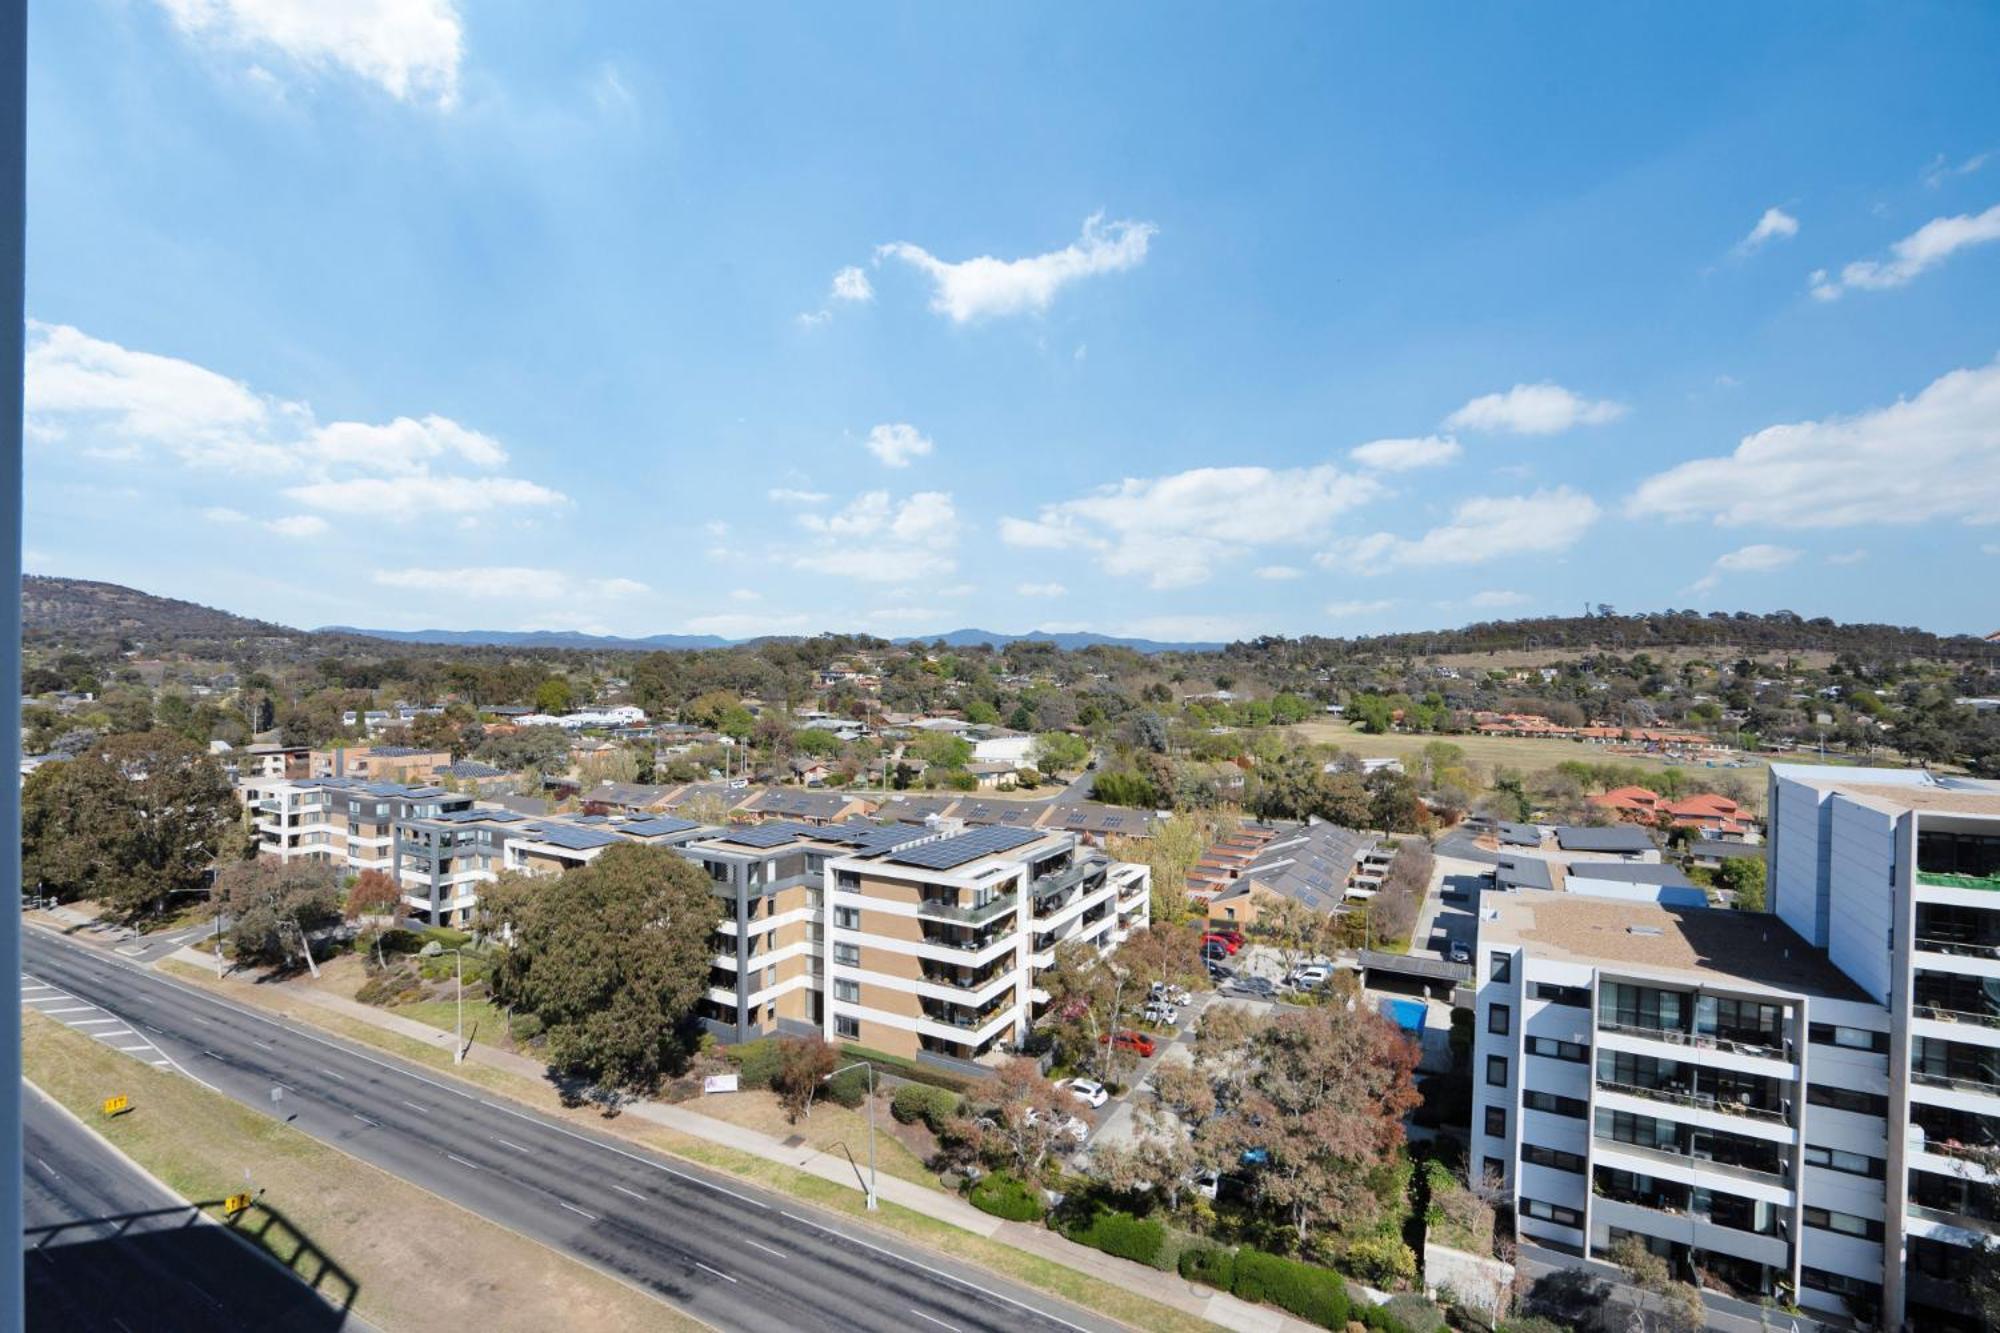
[[108, 1248], [731, 1255]]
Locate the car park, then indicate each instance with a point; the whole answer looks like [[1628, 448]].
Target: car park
[[1128, 1040], [1309, 978], [1165, 1014], [1214, 940], [1163, 993], [1086, 1090]]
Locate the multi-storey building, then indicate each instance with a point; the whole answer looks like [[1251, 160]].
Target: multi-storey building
[[343, 822], [1801, 1102]]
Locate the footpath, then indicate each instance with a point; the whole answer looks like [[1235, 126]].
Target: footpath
[[1171, 1289]]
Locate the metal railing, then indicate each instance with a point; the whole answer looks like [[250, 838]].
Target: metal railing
[[1984, 1086], [1957, 948], [1696, 1101], [938, 909], [1059, 881], [1943, 1015], [1702, 1041], [1945, 879], [1675, 1157]]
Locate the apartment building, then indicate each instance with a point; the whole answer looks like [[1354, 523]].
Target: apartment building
[[1789, 1103], [380, 763], [933, 945], [343, 822]]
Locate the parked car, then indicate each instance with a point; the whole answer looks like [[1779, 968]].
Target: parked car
[[1227, 944], [1125, 1039], [1235, 938], [1459, 952], [1309, 978], [1159, 1011], [1167, 994], [1219, 971], [1066, 1125], [1086, 1090], [1206, 1183], [1262, 987], [1214, 953]]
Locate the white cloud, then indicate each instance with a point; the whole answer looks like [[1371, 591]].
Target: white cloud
[[300, 525], [789, 495], [880, 540], [1404, 455], [851, 284], [511, 582], [1278, 573], [402, 446], [1041, 590], [812, 319], [405, 498], [975, 288], [745, 595], [219, 514], [1494, 598], [1923, 249], [1854, 557], [1174, 530], [1942, 168], [1757, 559], [1355, 609], [1933, 457], [896, 443], [1776, 224], [409, 48], [1481, 529], [1533, 409]]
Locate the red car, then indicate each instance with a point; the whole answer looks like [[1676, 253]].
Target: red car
[[1128, 1040], [1229, 944]]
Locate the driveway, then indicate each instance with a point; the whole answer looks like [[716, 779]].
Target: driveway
[[1449, 912]]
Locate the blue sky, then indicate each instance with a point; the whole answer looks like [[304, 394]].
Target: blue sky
[[1187, 322]]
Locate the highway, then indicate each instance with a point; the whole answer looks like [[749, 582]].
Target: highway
[[735, 1257], [108, 1247]]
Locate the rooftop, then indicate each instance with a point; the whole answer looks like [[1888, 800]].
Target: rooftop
[[1697, 943], [1616, 838]]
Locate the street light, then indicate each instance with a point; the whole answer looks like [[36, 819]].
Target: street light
[[458, 1044], [863, 1064]]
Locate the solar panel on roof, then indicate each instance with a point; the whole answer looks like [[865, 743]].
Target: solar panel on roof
[[768, 835], [665, 824], [956, 851], [574, 839]]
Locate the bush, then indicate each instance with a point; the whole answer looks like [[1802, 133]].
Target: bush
[[390, 986], [1316, 1294], [1380, 1261], [1008, 1197], [911, 1070], [444, 936], [1533, 1323], [1415, 1313], [933, 1106], [849, 1087], [524, 1028], [756, 1062], [1122, 1234], [1210, 1265], [1380, 1319]]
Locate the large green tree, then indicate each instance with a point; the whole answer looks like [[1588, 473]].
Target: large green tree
[[613, 957], [130, 821], [275, 906]]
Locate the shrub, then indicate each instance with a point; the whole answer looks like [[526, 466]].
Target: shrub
[[756, 1062], [524, 1027], [1380, 1319], [389, 986], [1122, 1234], [445, 936], [1210, 1265], [1008, 1197], [933, 1106], [1415, 1313], [1380, 1261], [849, 1087], [1316, 1294], [1533, 1323]]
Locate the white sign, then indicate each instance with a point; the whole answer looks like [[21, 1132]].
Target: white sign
[[719, 1083]]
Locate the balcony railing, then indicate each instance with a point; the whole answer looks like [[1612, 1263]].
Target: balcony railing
[[1699, 1040], [1061, 881], [986, 978], [939, 910], [1956, 1084], [1959, 948], [1942, 1015], [1939, 879], [1696, 1101], [1675, 1157]]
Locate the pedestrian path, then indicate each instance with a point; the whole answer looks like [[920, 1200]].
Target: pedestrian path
[[119, 1033]]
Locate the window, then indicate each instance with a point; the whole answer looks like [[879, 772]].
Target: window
[[847, 953], [1558, 1050], [1626, 1005], [1497, 1019], [843, 1026], [1847, 1099], [850, 991], [1496, 1071], [847, 918], [1496, 1122], [1840, 1284], [1554, 1104], [1575, 996], [1552, 1212], [1849, 1163], [1501, 968], [1853, 1039], [1847, 1224], [1561, 1161]]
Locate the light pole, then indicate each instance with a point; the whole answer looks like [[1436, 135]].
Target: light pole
[[458, 1042], [863, 1064]]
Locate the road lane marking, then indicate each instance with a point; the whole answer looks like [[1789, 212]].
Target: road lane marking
[[164, 1064], [939, 1322], [414, 1107], [116, 1032], [46, 1167], [262, 1045], [578, 1211], [73, 1009], [462, 1162], [643, 1161], [213, 1056], [515, 1146], [161, 1031], [338, 1078], [85, 1022], [634, 1193], [372, 1124], [135, 1048], [717, 1271], [765, 1248]]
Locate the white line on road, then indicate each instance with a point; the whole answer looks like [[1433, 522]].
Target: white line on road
[[213, 1056], [262, 1045], [163, 1063], [643, 1161], [717, 1271], [85, 1022], [338, 1078], [634, 1193], [73, 1009], [462, 1162], [765, 1248], [46, 1167], [135, 1048], [939, 1322], [372, 1124], [578, 1211], [161, 1031], [515, 1146], [414, 1107], [116, 1032]]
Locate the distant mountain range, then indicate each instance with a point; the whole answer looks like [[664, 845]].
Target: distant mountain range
[[543, 638]]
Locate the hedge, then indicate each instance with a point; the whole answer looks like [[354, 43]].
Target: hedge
[[1380, 1261], [919, 1101], [1210, 1265], [909, 1070], [1316, 1294], [849, 1087], [1122, 1234], [756, 1062], [1007, 1197]]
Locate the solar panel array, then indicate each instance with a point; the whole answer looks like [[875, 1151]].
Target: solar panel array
[[881, 839], [956, 851], [573, 839], [768, 835], [663, 825]]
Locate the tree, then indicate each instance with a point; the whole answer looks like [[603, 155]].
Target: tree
[[1290, 927], [1677, 1307], [1028, 1115], [553, 696], [1060, 752], [372, 893], [941, 749], [275, 906], [1745, 876], [803, 1065], [613, 957], [128, 822]]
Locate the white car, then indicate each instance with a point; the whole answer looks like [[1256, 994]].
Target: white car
[[1206, 1184], [1162, 1013], [1088, 1091], [1067, 1125], [1310, 978], [1165, 994]]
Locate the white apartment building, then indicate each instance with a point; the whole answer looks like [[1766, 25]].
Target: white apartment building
[[1776, 1104], [343, 822]]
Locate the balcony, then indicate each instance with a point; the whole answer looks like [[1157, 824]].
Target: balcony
[[1957, 948], [1765, 1047], [1697, 1101], [1939, 879], [958, 979], [938, 909], [1062, 881]]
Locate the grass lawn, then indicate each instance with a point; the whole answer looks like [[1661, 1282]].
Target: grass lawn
[[485, 1021], [1030, 1269], [829, 1126], [325, 1205]]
